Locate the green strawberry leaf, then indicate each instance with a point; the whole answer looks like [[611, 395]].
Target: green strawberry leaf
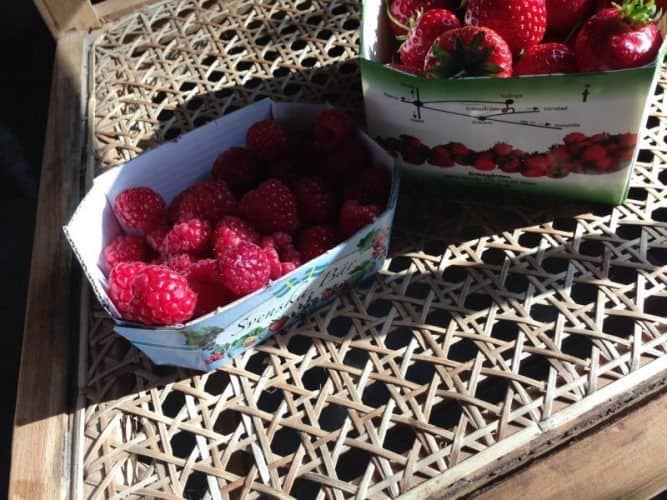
[[366, 242]]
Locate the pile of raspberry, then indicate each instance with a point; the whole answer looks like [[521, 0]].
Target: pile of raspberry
[[268, 208]]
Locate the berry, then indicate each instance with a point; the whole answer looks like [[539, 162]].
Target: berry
[[271, 207], [161, 297], [565, 15], [619, 37], [156, 236], [267, 140], [204, 279], [120, 283], [354, 216], [343, 164], [441, 157], [373, 186], [229, 232], [285, 170], [191, 236], [402, 13], [284, 244], [627, 140], [238, 168], [125, 248], [245, 268], [422, 35], [521, 23], [332, 128], [207, 200], [502, 149], [181, 263], [574, 137], [546, 58], [317, 204], [413, 150], [316, 240], [485, 161], [469, 51], [139, 209], [274, 262], [594, 153]]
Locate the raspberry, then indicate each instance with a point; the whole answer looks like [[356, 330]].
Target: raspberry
[[316, 240], [332, 127], [229, 232], [373, 186], [125, 248], [181, 263], [317, 204], [267, 140], [161, 297], [284, 244], [285, 170], [271, 207], [354, 216], [191, 236], [274, 262], [238, 168], [204, 278], [343, 164], [288, 267], [156, 236], [208, 200], [120, 283], [139, 209], [245, 268]]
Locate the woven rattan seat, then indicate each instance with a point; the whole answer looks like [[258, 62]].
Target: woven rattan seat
[[500, 327]]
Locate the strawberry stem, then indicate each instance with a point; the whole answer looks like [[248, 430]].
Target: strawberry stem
[[638, 11]]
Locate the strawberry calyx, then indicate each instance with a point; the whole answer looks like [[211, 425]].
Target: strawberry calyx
[[472, 60], [638, 11], [396, 22]]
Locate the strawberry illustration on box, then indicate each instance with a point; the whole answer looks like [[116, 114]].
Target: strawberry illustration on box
[[207, 246], [537, 96]]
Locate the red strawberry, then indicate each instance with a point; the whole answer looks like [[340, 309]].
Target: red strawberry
[[343, 164], [373, 186], [521, 23], [536, 165], [271, 207], [627, 140], [120, 283], [229, 232], [441, 157], [603, 4], [422, 35], [546, 58], [594, 153], [402, 13], [575, 137], [317, 204], [161, 296], [413, 150], [191, 236], [238, 168], [125, 249], [316, 240], [354, 216], [511, 163], [502, 149], [469, 51], [332, 127], [485, 161], [564, 15], [619, 37], [207, 200], [245, 268], [139, 209], [267, 140]]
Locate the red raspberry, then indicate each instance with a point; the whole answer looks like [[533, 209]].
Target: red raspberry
[[267, 140], [274, 262], [373, 186], [161, 297], [502, 149], [229, 232], [284, 244], [139, 209], [342, 165], [288, 267], [441, 157], [317, 204], [286, 170], [208, 200], [332, 127], [191, 237], [120, 283], [204, 278], [316, 240], [181, 263], [485, 161], [354, 216], [125, 248], [238, 168], [271, 207], [156, 236], [245, 268]]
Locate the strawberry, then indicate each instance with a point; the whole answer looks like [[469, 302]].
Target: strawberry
[[619, 37], [485, 161], [402, 13], [565, 15], [536, 165], [468, 51], [271, 207], [422, 35], [413, 150], [502, 149], [546, 58], [521, 23], [441, 157]]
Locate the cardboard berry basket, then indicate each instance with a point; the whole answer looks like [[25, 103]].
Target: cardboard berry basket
[[212, 340], [440, 129]]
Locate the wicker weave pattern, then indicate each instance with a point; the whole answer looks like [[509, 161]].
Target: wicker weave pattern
[[492, 316]]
